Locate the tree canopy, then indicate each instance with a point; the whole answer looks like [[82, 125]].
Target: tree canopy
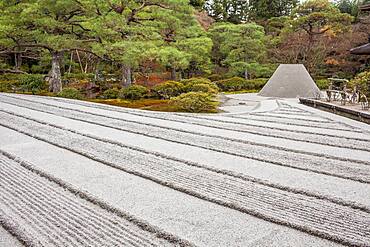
[[132, 38]]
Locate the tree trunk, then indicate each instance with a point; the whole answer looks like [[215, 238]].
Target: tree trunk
[[98, 77], [126, 76], [173, 74], [246, 75], [55, 76], [17, 61]]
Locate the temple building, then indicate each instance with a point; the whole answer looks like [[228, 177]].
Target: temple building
[[364, 49]]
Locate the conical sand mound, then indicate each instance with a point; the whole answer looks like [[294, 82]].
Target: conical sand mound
[[290, 81]]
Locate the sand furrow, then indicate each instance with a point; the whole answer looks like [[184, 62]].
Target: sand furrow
[[345, 168], [326, 219], [240, 125], [330, 124], [209, 167], [82, 213], [190, 118], [292, 112], [62, 219], [360, 142], [32, 215], [310, 118], [73, 224], [293, 123]]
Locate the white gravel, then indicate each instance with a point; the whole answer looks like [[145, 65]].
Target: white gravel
[[6, 239], [202, 222], [257, 137], [296, 177]]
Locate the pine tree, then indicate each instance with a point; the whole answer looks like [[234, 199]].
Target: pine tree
[[234, 11], [55, 26], [139, 31], [266, 9], [239, 47]]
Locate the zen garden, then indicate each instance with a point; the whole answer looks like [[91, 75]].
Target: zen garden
[[184, 123]]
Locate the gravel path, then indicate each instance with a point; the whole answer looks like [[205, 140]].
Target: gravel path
[[327, 216]]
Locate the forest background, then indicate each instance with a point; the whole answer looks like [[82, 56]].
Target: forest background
[[98, 45]]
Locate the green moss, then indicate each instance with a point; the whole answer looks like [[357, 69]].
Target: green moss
[[133, 92], [112, 93], [70, 93]]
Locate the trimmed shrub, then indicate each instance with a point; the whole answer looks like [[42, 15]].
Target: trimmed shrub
[[133, 92], [195, 80], [258, 84], [195, 102], [6, 86], [233, 84], [238, 84], [22, 82], [10, 77], [215, 77], [200, 85], [10, 82], [110, 94], [362, 81], [322, 83], [70, 93], [33, 83], [205, 88], [168, 89]]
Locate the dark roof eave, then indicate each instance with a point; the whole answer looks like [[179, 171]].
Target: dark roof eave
[[361, 50]]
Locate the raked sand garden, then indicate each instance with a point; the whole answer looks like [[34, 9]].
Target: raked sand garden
[[265, 172]]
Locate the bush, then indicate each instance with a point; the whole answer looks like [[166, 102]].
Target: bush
[[70, 93], [195, 102], [33, 83], [5, 87], [110, 94], [168, 89], [78, 76], [255, 70], [200, 85], [258, 84], [238, 84], [322, 83], [10, 77], [233, 84], [10, 82], [362, 81], [215, 77], [205, 88], [195, 80], [133, 92]]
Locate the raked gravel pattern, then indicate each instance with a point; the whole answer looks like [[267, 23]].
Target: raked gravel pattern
[[349, 169], [40, 210], [339, 223], [358, 142], [189, 118]]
